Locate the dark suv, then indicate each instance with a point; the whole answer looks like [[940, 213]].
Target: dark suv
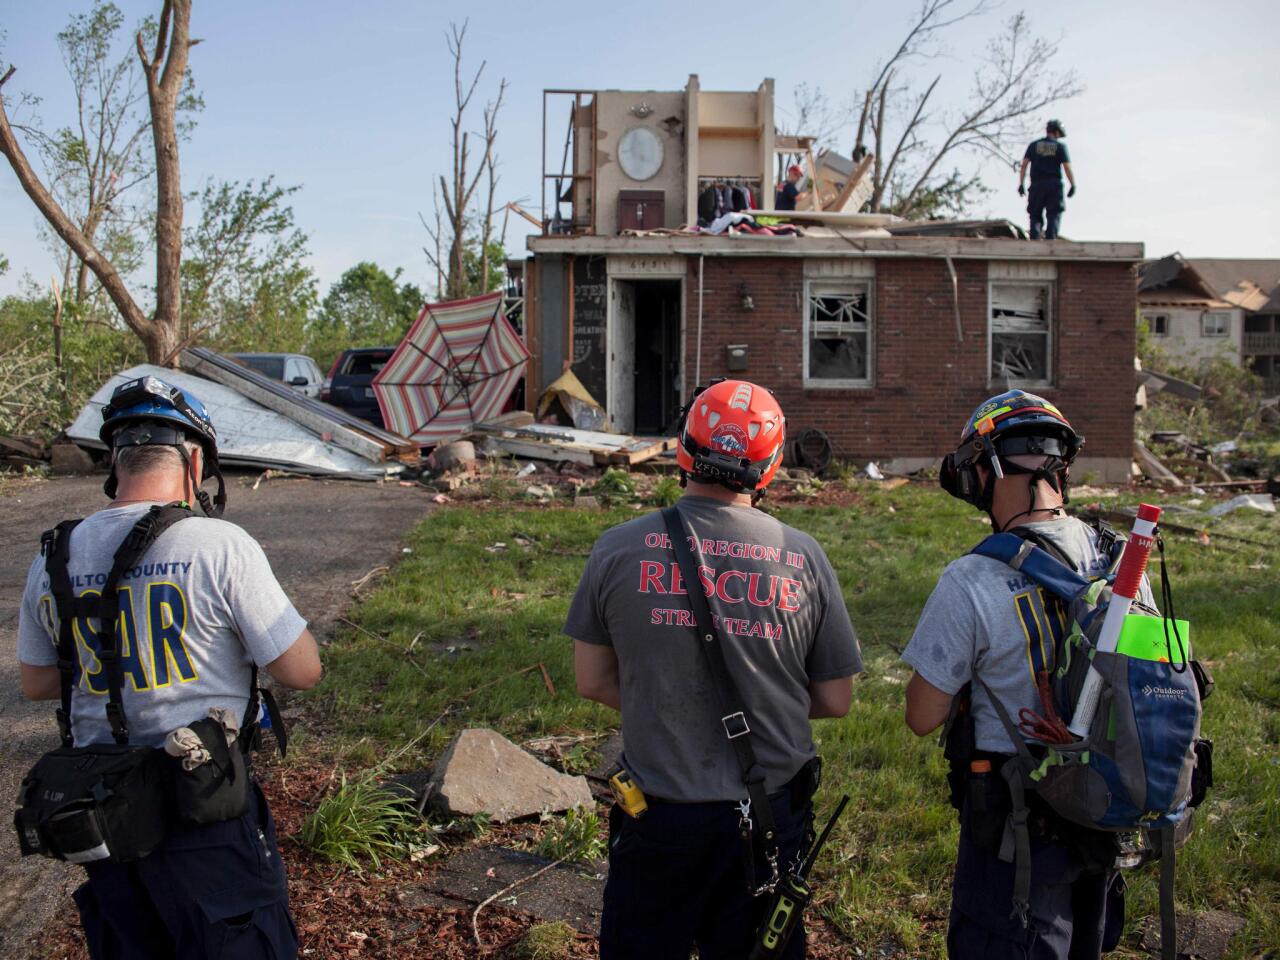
[[350, 381]]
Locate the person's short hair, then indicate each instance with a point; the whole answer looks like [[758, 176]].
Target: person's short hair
[[145, 458]]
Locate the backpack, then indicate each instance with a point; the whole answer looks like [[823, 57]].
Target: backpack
[[1143, 765]]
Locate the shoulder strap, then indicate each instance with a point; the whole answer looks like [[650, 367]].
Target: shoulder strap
[[132, 549], [734, 718], [1037, 563], [55, 544]]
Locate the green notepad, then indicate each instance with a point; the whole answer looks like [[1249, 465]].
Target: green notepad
[[1143, 638]]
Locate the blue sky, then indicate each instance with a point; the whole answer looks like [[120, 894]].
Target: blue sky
[[1173, 140]]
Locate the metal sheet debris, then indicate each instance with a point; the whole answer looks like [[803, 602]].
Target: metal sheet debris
[[1254, 501], [249, 435]]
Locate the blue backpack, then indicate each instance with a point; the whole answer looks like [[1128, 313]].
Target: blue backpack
[[1143, 766]]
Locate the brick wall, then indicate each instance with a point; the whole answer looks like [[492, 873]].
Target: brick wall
[[926, 382]]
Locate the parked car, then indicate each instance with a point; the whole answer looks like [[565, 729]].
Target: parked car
[[297, 370], [350, 381]]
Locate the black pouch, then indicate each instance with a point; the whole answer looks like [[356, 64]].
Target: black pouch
[[216, 790], [986, 808], [803, 787], [86, 804], [1202, 773]]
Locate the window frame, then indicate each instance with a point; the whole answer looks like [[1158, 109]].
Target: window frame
[[1223, 315], [839, 285], [1151, 319], [1049, 333]]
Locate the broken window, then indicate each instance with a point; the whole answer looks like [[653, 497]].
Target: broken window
[[1215, 324], [1157, 324], [1021, 333], [838, 345]]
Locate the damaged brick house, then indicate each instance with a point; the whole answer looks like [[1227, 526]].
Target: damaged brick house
[[882, 339]]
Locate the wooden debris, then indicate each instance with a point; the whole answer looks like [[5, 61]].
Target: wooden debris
[[542, 441], [1153, 467]]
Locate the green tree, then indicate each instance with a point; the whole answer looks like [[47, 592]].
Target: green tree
[[245, 283], [365, 307], [95, 164], [474, 267]]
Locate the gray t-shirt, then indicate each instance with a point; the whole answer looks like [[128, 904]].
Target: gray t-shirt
[[983, 615], [782, 620], [196, 611]]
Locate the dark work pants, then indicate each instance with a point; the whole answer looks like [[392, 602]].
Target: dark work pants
[[215, 892], [1074, 915], [1044, 203], [676, 880]]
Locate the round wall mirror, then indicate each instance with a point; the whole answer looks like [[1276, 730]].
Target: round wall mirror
[[640, 153]]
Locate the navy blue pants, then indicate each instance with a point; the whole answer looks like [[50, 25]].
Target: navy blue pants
[[1074, 915], [676, 880], [206, 893], [1044, 203]]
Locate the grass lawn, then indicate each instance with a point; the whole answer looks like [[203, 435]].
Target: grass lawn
[[484, 592]]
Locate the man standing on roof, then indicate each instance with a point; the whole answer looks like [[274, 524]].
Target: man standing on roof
[[789, 194], [1047, 158], [198, 611], [986, 622], [690, 869]]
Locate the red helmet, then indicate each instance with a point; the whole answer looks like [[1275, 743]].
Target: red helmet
[[732, 434]]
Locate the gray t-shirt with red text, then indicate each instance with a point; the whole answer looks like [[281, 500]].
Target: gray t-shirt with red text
[[782, 621], [200, 607]]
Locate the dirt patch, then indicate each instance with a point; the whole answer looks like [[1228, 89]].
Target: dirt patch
[[320, 536]]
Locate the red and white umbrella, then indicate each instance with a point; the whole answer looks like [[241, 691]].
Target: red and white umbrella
[[455, 367]]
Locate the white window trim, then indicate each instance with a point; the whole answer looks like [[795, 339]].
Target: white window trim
[[1226, 330], [1049, 355], [834, 284]]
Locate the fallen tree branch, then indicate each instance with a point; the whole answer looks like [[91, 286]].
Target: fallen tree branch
[[475, 916]]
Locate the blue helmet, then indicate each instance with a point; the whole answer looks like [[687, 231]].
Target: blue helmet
[[148, 411]]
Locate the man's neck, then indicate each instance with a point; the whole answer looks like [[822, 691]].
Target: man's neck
[[150, 489], [1009, 505], [713, 491]]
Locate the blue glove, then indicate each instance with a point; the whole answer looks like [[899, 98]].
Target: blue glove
[[1022, 190]]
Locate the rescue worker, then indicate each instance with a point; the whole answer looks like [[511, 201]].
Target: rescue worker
[[201, 606], [789, 193], [1048, 159], [682, 874], [984, 620]]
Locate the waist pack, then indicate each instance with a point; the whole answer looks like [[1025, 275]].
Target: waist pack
[[116, 801], [1143, 765], [104, 802]]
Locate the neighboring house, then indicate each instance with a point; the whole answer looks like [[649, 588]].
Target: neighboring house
[[885, 342], [1198, 309]]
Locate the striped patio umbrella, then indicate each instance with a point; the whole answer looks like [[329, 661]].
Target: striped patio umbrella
[[455, 367]]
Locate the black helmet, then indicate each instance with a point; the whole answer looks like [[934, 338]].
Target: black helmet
[[1054, 126], [149, 412], [1011, 424]]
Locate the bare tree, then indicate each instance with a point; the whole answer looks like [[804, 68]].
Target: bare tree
[[165, 74], [814, 115], [914, 143], [458, 192]]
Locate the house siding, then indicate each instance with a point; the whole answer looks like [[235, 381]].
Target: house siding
[[925, 379]]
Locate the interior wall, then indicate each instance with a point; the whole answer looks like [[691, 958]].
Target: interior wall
[[616, 114]]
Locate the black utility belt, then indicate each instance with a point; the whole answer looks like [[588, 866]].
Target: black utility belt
[[116, 802]]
